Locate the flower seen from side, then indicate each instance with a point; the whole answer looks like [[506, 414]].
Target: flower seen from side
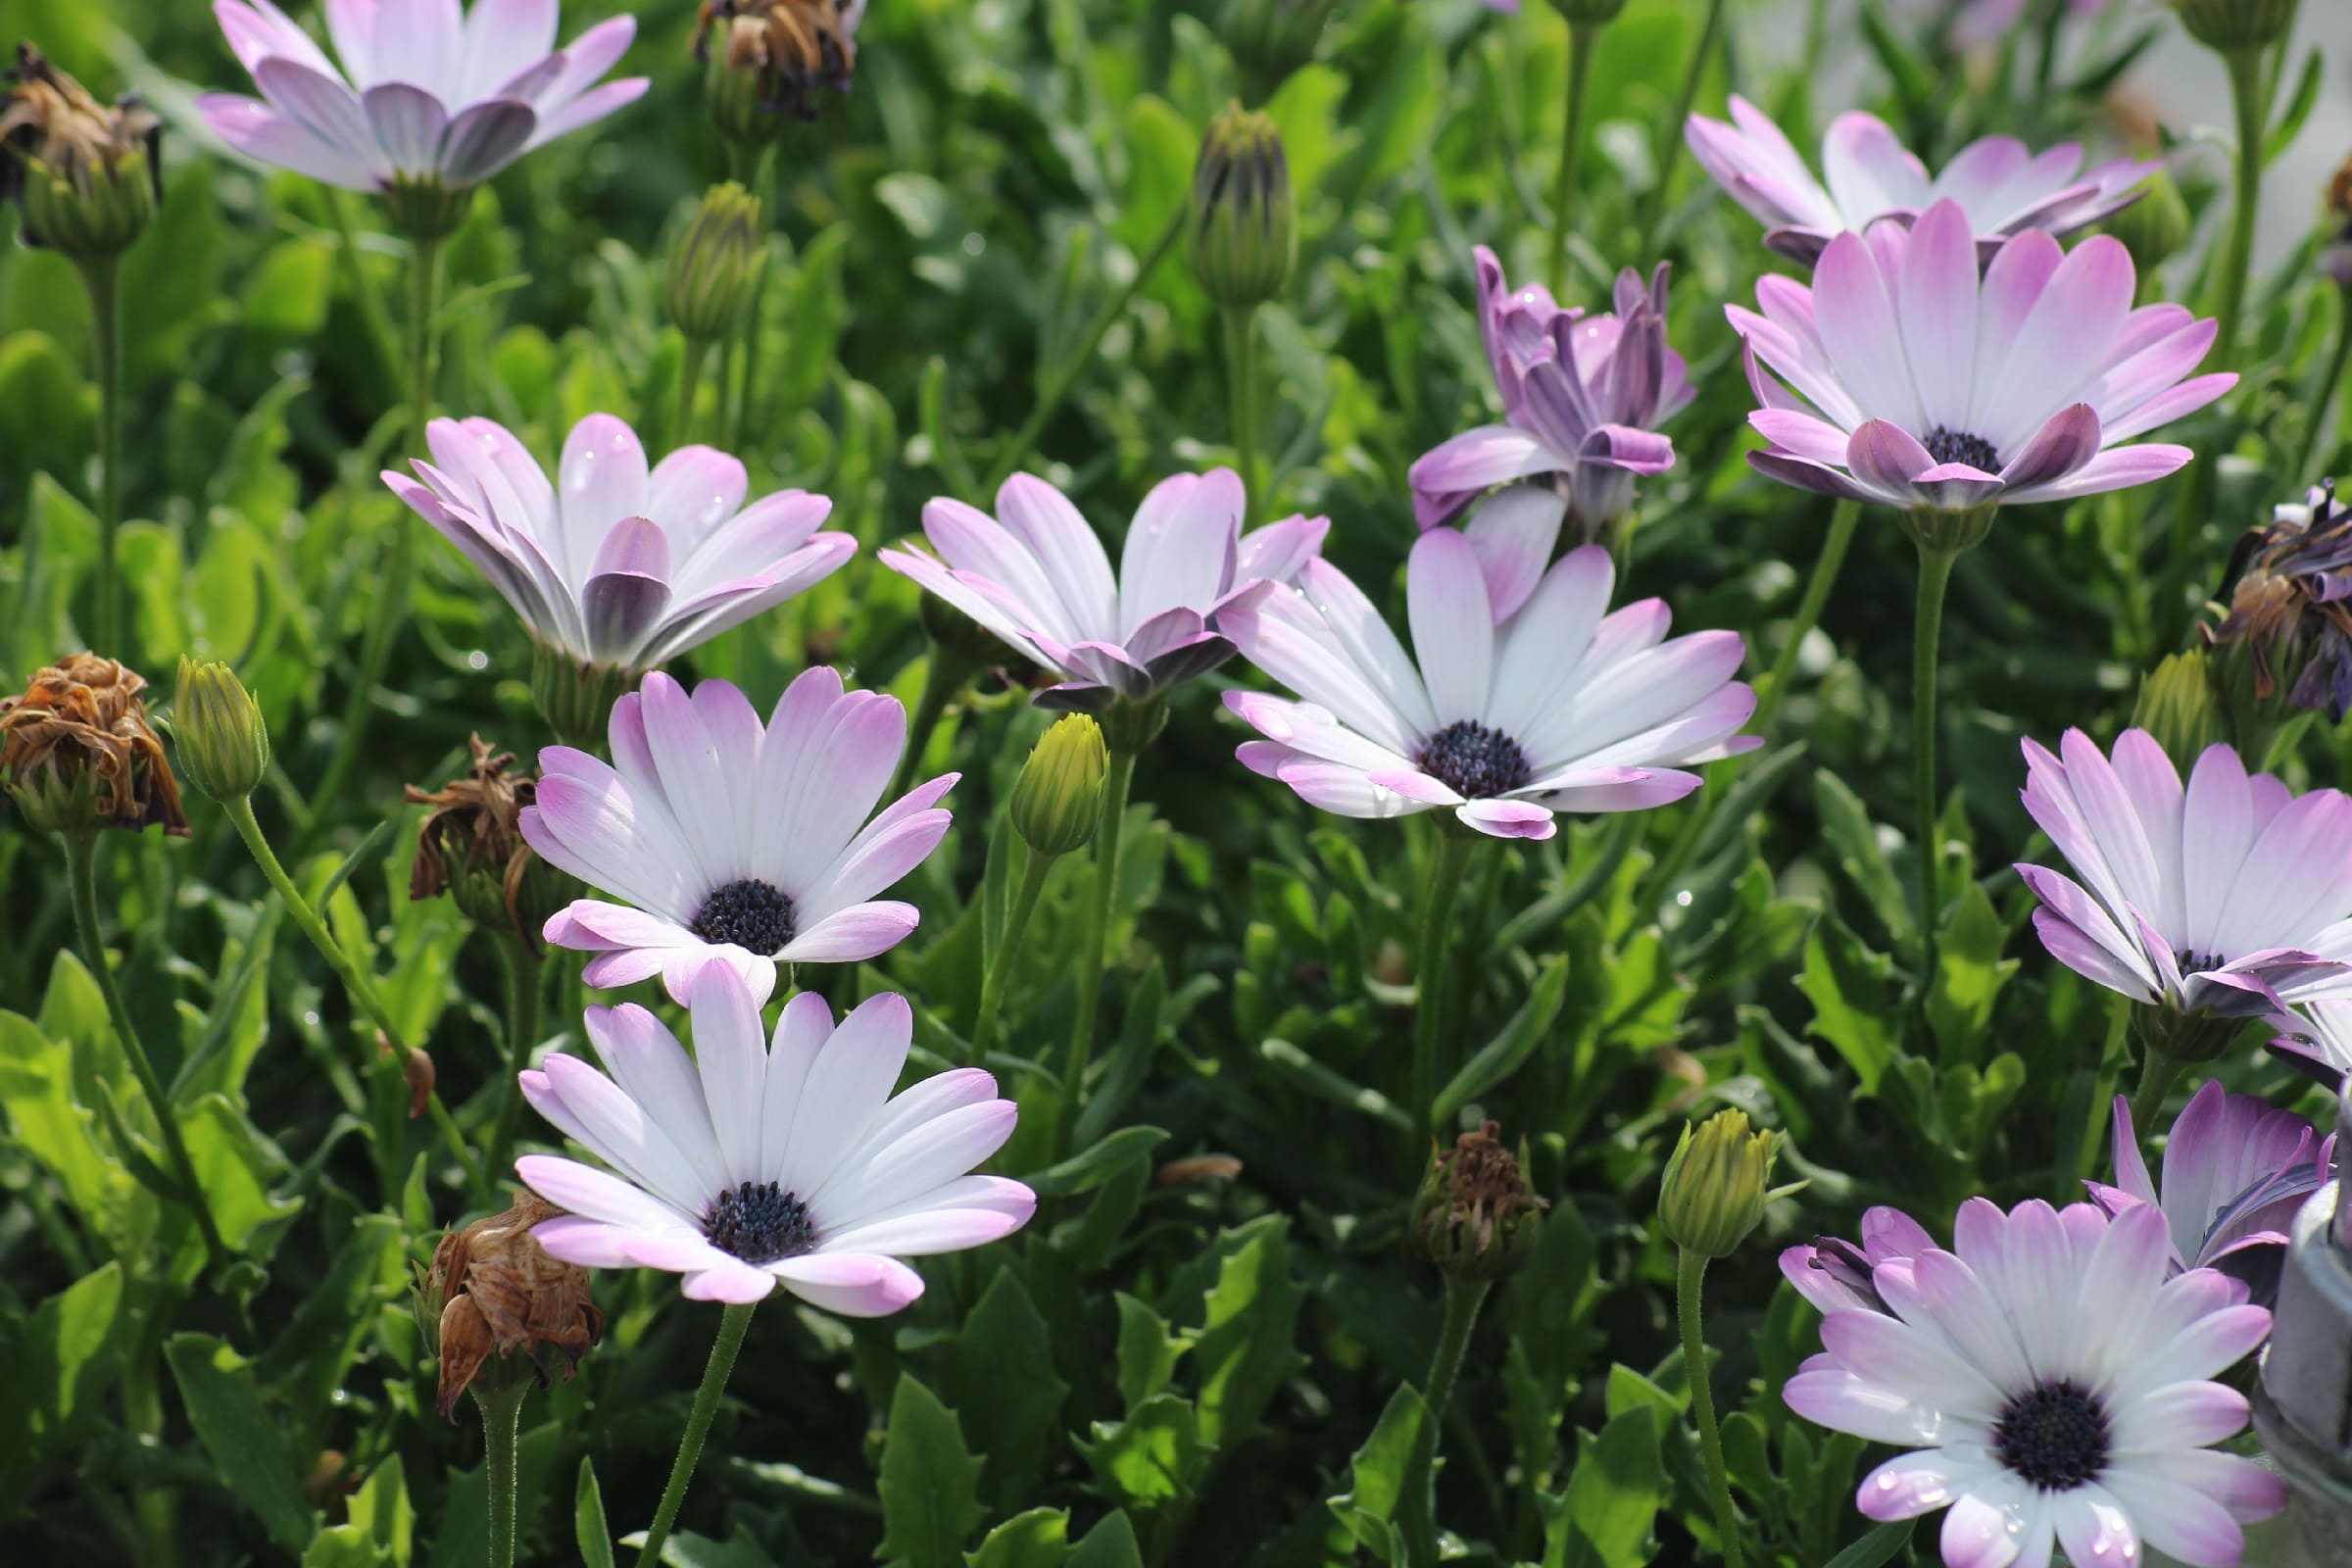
[[1902, 378], [1837, 1276], [2055, 1391], [78, 753], [2000, 186], [1530, 698], [87, 176], [1036, 577], [2290, 612], [731, 844], [756, 1163], [1582, 398]]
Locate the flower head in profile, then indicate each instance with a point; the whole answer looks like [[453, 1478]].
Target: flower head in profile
[[1902, 378], [1530, 697], [770, 58], [762, 1162], [1837, 1276], [2318, 1039], [470, 846], [1582, 398], [87, 176], [612, 563], [2000, 187], [498, 1293], [732, 843], [76, 752], [2291, 610], [2055, 1389], [428, 99], [1035, 575], [2227, 898], [2236, 1169]]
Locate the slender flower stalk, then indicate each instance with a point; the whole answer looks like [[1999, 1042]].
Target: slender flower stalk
[[1450, 862], [1926, 634], [1689, 1279], [1101, 907], [501, 1430], [524, 1008], [1055, 808], [2249, 97], [690, 381], [1670, 142], [104, 282], [1016, 929], [1582, 38], [1240, 370], [732, 1324]]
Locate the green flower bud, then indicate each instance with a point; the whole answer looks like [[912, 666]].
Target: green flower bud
[[1242, 235], [575, 698], [2231, 25], [1269, 39], [224, 745], [1475, 1218], [1717, 1183], [2180, 708], [2154, 227], [1587, 13], [1058, 798], [715, 267], [86, 178]]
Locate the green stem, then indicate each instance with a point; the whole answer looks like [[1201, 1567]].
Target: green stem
[[1429, 973], [1463, 1298], [501, 1423], [1689, 1276], [690, 381], [1539, 918], [1241, 371], [1107, 839], [81, 874], [992, 987], [523, 1020], [1058, 381], [1582, 36], [1926, 634], [2323, 406], [731, 1326], [2158, 1073], [2252, 104], [104, 280], [392, 596], [371, 298], [1671, 148], [355, 984], [943, 678]]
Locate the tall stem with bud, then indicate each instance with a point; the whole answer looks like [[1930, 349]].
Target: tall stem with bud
[[104, 280]]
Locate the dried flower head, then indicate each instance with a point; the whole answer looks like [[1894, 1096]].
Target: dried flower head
[[88, 177], [2290, 615], [472, 846], [498, 1293], [767, 59], [1476, 1216], [78, 753]]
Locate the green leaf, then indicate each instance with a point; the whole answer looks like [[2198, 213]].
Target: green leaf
[[1852, 1007], [1038, 1538], [1148, 1352], [929, 1484], [588, 1528], [1111, 1544], [247, 1444], [2298, 109], [1853, 840], [1090, 1168], [382, 1530], [1306, 1073], [53, 1376], [1243, 1354], [1881, 1547], [1516, 1040], [47, 1122], [1970, 973], [1380, 1472], [1603, 1520], [1152, 1459], [999, 1374]]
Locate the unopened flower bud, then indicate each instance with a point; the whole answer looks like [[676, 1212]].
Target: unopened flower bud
[[2180, 707], [1243, 229], [765, 61], [1587, 13], [471, 848], [1269, 39], [86, 178], [1475, 1218], [715, 268], [76, 752], [1058, 798], [495, 1291], [1717, 1183], [224, 745], [2230, 26], [2155, 226]]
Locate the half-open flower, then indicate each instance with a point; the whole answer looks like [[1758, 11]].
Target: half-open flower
[[427, 98], [1582, 397], [2227, 898], [2236, 1169], [1035, 575], [1837, 1276], [612, 564], [758, 1163], [1902, 378], [1531, 698], [2000, 186], [731, 843]]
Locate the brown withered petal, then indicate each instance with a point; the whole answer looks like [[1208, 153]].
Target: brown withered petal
[[795, 46], [1484, 1187], [1200, 1169], [83, 720], [52, 120], [476, 824], [499, 1293]]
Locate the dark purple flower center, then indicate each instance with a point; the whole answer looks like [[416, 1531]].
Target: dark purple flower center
[[751, 913], [1473, 761], [2200, 963], [2055, 1436], [760, 1222], [1946, 445]]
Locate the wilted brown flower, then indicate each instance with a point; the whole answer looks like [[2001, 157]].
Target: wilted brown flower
[[76, 751], [1476, 1215], [775, 54], [89, 176], [472, 846], [498, 1293], [2290, 614]]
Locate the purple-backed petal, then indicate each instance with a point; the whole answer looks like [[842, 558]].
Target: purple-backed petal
[[1279, 551], [1513, 535], [1076, 697], [484, 139], [1189, 660], [1452, 476], [1507, 819], [2115, 468], [2067, 440], [1886, 456], [409, 123], [1623, 447], [268, 136], [1817, 478]]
